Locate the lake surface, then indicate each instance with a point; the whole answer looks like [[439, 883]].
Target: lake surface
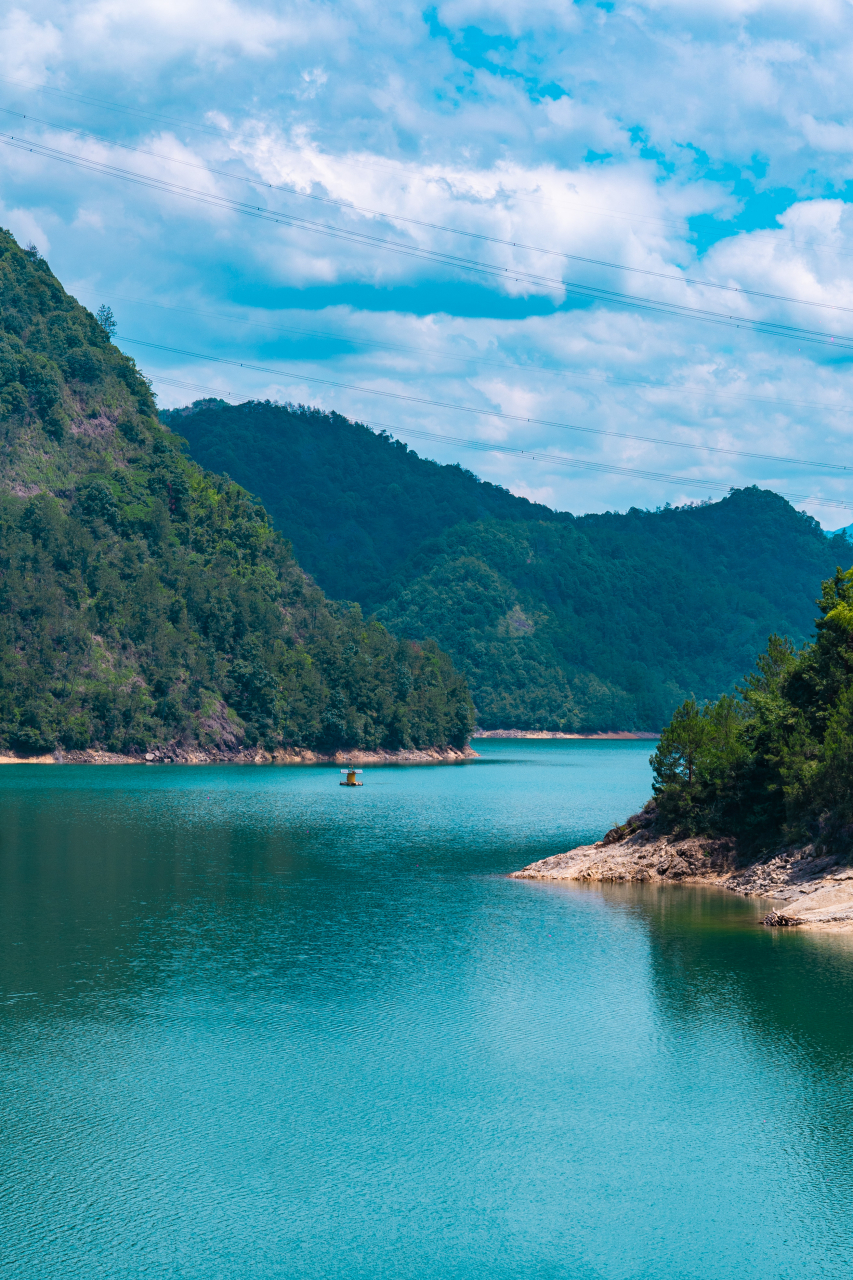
[[253, 1024]]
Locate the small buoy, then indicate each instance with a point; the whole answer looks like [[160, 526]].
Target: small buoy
[[350, 779]]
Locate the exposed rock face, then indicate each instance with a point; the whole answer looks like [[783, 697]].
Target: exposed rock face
[[638, 857], [816, 891], [177, 753]]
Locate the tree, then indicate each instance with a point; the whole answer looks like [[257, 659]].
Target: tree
[[106, 319], [680, 747]]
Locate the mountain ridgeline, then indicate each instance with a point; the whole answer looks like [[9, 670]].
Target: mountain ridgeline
[[146, 602], [598, 622]]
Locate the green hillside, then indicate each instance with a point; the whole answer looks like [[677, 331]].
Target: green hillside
[[773, 764], [355, 503], [590, 623], [144, 601]]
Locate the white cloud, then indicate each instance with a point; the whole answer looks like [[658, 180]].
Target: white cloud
[[89, 218], [313, 81], [26, 228], [668, 112], [27, 48], [827, 135], [162, 29], [512, 16]]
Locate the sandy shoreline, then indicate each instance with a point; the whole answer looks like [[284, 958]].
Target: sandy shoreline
[[175, 754], [621, 735], [808, 890]]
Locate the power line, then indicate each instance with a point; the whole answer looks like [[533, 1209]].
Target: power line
[[481, 446], [418, 222], [681, 310], [538, 456], [583, 464], [361, 164], [435, 226], [470, 409], [478, 360], [111, 106], [192, 386]]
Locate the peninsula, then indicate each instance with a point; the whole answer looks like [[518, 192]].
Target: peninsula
[[805, 886], [753, 792]]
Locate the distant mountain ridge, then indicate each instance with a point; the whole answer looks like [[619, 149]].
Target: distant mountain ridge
[[355, 502], [563, 623]]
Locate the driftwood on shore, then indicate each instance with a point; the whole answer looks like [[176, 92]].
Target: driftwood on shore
[[816, 890]]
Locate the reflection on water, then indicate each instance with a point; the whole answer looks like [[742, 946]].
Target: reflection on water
[[255, 1025]]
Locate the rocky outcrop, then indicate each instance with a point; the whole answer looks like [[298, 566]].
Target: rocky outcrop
[[638, 857], [181, 753], [812, 889]]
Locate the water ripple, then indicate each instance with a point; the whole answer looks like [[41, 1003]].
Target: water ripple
[[249, 1028]]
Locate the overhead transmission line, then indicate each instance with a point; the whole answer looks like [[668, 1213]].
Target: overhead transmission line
[[111, 106], [488, 413], [578, 463], [348, 205], [682, 310], [359, 164], [798, 333], [560, 372], [190, 386], [88, 100], [527, 455]]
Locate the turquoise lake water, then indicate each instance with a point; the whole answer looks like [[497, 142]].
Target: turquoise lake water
[[253, 1024]]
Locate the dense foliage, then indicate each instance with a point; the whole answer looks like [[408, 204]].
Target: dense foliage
[[145, 601], [774, 762], [355, 503], [596, 622]]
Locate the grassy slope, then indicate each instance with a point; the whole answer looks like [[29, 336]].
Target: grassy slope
[[143, 600]]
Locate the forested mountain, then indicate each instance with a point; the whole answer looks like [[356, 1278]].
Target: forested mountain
[[355, 503], [589, 623], [775, 762], [144, 601]]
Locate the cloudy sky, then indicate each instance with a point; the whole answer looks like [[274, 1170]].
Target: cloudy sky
[[600, 253]]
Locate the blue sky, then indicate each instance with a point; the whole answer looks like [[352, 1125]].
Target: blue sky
[[517, 213]]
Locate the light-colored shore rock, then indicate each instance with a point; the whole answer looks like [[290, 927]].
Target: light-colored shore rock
[[807, 889], [176, 753], [618, 736]]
